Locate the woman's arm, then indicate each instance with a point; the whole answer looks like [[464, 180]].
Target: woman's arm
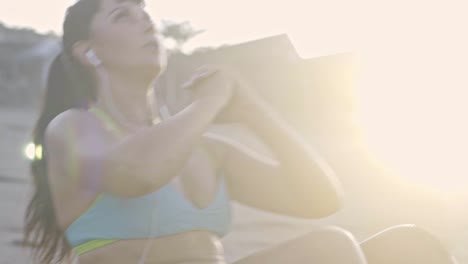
[[303, 185], [135, 165]]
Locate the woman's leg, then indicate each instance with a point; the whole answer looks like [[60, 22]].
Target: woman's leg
[[405, 244], [329, 245]]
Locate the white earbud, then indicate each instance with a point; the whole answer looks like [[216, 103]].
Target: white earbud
[[92, 58]]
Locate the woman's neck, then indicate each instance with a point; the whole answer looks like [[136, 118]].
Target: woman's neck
[[125, 97]]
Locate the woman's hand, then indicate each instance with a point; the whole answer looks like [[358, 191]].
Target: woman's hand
[[201, 74], [222, 81], [245, 99], [209, 85]]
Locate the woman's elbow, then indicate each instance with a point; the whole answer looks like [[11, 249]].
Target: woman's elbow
[[324, 208], [331, 204], [323, 204], [330, 196]]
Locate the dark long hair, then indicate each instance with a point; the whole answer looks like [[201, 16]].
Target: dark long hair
[[69, 85]]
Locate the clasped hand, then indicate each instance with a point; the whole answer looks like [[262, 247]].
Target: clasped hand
[[238, 98]]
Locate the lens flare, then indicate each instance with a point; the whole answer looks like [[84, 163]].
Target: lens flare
[[38, 152], [31, 151]]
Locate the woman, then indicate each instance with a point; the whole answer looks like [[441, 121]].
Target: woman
[[114, 184]]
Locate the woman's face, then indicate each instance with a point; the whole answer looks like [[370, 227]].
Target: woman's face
[[124, 37]]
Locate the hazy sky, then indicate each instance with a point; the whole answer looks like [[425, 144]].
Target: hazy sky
[[316, 27], [225, 21], [413, 93]]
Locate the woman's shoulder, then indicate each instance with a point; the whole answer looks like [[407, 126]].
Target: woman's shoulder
[[78, 123], [73, 119]]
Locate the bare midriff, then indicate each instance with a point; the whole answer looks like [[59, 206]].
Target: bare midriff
[[197, 247]]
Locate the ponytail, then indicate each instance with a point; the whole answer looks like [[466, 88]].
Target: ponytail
[[63, 92], [69, 85]]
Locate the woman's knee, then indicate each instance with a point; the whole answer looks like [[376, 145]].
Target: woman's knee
[[335, 240], [407, 233], [328, 245], [405, 242], [334, 234]]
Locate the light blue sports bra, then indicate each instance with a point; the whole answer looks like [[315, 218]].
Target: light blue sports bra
[[163, 212]]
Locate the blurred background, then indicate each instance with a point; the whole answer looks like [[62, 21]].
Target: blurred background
[[378, 87]]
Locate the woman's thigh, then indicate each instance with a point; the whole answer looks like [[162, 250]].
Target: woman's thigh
[[405, 244], [328, 245]]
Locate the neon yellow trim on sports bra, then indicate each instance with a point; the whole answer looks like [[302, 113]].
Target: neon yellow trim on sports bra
[[92, 245]]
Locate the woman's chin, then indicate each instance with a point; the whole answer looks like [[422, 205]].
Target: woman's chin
[[151, 69], [147, 67], [155, 64]]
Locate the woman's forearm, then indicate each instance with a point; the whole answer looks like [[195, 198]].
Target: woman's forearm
[[304, 170], [154, 155]]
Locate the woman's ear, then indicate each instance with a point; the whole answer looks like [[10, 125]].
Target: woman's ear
[[79, 51]]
